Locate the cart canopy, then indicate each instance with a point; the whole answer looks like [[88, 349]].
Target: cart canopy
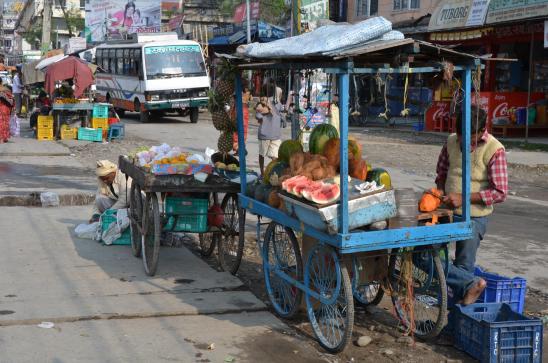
[[69, 68]]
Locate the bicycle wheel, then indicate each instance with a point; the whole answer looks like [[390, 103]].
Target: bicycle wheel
[[332, 317], [231, 246], [136, 213], [209, 240], [151, 238], [281, 254], [419, 291], [365, 293]]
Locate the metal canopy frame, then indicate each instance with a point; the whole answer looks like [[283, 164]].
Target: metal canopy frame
[[355, 62]]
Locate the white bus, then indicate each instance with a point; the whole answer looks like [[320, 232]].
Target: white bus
[[152, 74]]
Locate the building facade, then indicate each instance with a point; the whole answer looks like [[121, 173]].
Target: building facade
[[396, 11]]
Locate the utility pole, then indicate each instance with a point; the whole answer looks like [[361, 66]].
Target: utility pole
[[247, 18], [46, 25]]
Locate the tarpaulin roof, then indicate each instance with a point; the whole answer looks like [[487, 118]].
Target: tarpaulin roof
[[49, 61], [31, 75], [69, 68]]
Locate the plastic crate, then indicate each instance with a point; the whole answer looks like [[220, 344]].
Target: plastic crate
[[99, 123], [69, 133], [44, 122], [186, 214], [496, 333], [44, 134], [502, 289], [109, 217], [88, 134], [100, 111]]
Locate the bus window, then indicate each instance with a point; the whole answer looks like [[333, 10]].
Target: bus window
[[131, 62], [126, 62], [174, 61], [112, 61], [138, 63], [120, 61]]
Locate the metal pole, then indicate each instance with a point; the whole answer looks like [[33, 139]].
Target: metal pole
[[241, 130], [247, 18], [529, 86], [465, 146], [343, 115]]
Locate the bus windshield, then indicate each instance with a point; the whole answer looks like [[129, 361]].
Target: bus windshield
[[170, 61]]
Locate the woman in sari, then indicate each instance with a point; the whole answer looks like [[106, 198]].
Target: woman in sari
[[6, 108]]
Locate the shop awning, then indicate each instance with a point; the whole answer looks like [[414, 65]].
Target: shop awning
[[69, 68]]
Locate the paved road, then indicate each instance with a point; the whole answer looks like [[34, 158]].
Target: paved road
[[105, 309], [516, 237]]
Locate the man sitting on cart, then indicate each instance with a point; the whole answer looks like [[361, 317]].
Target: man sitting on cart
[[113, 189], [489, 185]]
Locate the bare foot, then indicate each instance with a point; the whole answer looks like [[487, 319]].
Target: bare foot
[[474, 292]]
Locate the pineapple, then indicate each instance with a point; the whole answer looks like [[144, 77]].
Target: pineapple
[[221, 120], [224, 144], [226, 75]]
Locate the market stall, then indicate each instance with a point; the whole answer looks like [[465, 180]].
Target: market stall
[[343, 217], [177, 191]]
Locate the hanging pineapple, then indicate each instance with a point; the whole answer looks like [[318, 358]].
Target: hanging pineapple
[[224, 144], [226, 75]]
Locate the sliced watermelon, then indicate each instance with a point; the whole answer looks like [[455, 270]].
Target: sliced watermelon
[[289, 184], [302, 185], [328, 193], [312, 187]]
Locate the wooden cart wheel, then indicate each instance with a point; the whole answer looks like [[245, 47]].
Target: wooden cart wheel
[[281, 254], [421, 303], [136, 213], [231, 245], [365, 292], [209, 240], [332, 317], [151, 238]]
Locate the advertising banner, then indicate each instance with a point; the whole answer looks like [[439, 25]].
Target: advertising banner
[[115, 19], [312, 11], [504, 10], [452, 14], [240, 15]]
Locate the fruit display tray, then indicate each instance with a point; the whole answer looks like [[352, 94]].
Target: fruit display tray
[[362, 210]]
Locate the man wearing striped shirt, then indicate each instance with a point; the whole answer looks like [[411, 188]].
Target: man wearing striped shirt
[[489, 185]]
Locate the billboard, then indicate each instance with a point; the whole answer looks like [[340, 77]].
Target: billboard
[[114, 19], [452, 14], [503, 10], [313, 11]]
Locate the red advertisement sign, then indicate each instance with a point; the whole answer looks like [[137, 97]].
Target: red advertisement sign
[[240, 15], [437, 111]]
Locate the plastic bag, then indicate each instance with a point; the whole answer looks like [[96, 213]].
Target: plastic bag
[[49, 199], [14, 125], [115, 229], [87, 231]]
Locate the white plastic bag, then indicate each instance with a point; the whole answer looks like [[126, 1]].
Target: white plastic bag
[[115, 229], [87, 231], [49, 199], [14, 125]]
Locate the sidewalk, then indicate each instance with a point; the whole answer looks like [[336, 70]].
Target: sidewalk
[[29, 167]]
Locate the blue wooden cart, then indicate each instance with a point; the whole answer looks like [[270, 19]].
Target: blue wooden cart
[[327, 280]]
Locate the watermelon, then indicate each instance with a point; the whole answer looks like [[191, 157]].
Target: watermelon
[[275, 173], [303, 185], [328, 193], [311, 188], [380, 176], [290, 183], [319, 137], [287, 148], [268, 169]]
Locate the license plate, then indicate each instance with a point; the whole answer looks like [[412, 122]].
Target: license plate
[[180, 104]]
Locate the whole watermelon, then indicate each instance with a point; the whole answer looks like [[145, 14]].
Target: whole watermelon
[[319, 136], [287, 148], [380, 176], [268, 169]]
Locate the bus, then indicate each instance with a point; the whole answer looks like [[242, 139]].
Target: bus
[[152, 74]]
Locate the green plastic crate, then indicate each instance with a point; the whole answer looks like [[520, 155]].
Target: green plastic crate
[[110, 217], [88, 134], [100, 111], [186, 214]]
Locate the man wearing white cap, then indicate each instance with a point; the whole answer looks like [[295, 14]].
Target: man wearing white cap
[[113, 189]]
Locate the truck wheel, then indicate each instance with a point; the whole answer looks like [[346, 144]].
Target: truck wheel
[[144, 116], [194, 113], [120, 112]]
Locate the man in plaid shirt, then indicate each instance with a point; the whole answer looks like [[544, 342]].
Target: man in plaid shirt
[[489, 185]]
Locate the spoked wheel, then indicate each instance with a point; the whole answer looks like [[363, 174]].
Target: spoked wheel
[[419, 291], [136, 213], [281, 255], [231, 246], [331, 310], [209, 240], [151, 238], [365, 292]]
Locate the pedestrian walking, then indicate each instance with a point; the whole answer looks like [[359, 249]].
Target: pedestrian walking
[[17, 90], [268, 114], [6, 109]]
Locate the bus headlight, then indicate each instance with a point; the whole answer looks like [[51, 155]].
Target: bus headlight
[[202, 94], [155, 97]]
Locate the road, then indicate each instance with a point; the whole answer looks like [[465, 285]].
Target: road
[[516, 238]]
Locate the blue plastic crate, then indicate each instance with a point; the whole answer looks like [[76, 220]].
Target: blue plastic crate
[[110, 217], [501, 289], [495, 333], [88, 134], [100, 111]]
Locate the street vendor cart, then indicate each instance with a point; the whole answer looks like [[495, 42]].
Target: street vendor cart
[[155, 208], [328, 275]]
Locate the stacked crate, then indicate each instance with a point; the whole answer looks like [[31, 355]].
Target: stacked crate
[[44, 128], [99, 119], [69, 133]]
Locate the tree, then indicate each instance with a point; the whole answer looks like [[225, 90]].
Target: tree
[[72, 17]]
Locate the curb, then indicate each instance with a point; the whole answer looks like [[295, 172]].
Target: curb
[[33, 200]]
